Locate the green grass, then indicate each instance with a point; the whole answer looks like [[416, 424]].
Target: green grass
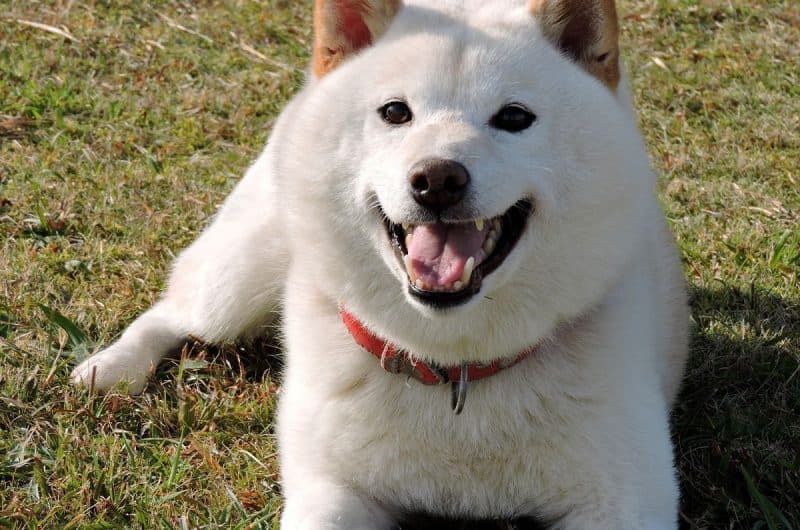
[[117, 146]]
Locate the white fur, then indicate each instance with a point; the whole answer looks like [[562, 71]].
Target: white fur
[[578, 432]]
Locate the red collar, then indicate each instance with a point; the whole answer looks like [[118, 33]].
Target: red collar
[[398, 361]]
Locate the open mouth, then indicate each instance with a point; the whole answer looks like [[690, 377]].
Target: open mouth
[[446, 262]]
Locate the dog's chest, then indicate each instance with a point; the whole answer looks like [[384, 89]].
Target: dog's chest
[[407, 448], [510, 452]]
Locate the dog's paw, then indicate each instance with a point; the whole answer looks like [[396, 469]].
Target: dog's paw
[[113, 366]]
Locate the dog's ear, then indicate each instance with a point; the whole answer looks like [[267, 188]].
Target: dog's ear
[[342, 27], [584, 30]]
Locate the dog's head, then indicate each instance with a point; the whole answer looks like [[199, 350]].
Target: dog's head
[[474, 162]]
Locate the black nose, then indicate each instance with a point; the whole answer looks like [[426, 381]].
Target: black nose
[[438, 184]]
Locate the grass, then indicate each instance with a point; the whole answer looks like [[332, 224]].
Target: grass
[[120, 137]]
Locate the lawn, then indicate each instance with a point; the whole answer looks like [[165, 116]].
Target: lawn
[[124, 124]]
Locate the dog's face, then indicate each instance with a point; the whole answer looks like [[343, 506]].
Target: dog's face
[[474, 162]]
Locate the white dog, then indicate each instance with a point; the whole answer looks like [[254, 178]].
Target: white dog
[[484, 311]]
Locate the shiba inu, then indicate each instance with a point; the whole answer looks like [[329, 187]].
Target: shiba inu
[[484, 312]]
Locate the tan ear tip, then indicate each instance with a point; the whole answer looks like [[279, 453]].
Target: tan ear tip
[[343, 27], [535, 5]]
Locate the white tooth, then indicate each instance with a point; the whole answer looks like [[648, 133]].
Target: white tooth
[[406, 226], [465, 276], [409, 268], [488, 246], [408, 240], [419, 285], [492, 235], [496, 224], [479, 224], [458, 286]]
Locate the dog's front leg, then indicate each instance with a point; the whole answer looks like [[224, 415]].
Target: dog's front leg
[[316, 499], [225, 285], [320, 505], [647, 506]]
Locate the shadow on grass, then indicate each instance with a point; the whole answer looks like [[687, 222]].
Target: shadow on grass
[[738, 415], [250, 362]]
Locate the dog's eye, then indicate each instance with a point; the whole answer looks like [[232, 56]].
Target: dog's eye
[[513, 118], [396, 113]]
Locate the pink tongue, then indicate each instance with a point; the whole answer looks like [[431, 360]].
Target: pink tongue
[[440, 251]]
